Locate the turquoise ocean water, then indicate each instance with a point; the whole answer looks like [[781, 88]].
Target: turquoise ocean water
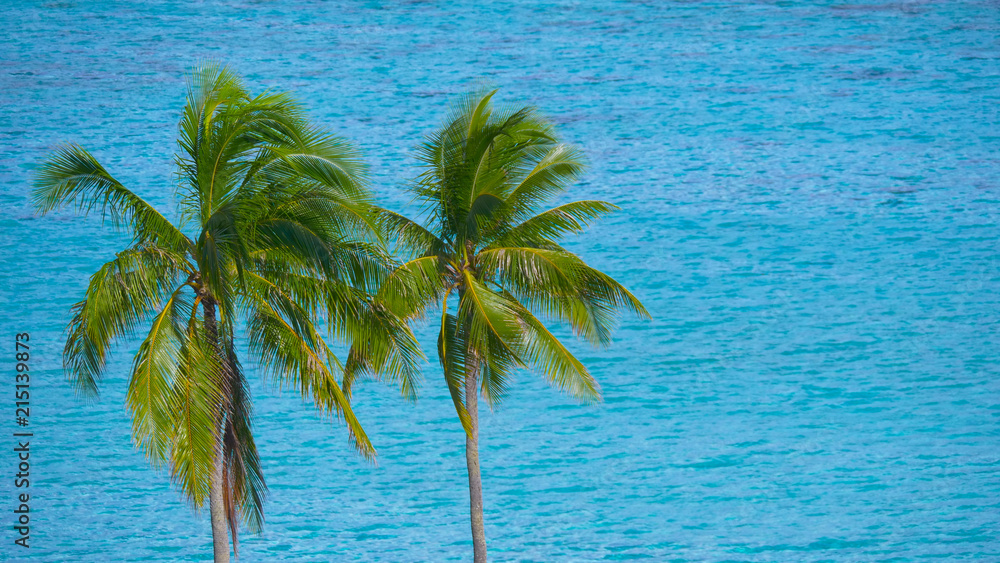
[[809, 194]]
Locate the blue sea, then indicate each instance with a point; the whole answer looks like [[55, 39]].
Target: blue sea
[[810, 195]]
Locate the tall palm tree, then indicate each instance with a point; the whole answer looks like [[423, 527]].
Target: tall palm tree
[[276, 236], [487, 175]]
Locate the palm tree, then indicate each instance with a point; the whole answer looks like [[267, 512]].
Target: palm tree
[[275, 236], [487, 175]]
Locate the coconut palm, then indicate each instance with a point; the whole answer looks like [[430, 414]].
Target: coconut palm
[[275, 238], [487, 240]]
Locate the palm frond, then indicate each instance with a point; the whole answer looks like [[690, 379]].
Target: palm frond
[[72, 176], [544, 352], [549, 226], [382, 346], [412, 287], [156, 365], [121, 294], [244, 486], [290, 349], [409, 236], [494, 336], [562, 286], [195, 401], [558, 167], [451, 354]]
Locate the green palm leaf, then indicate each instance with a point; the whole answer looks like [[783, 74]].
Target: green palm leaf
[[451, 354], [73, 176], [194, 408], [160, 358], [121, 294], [292, 351]]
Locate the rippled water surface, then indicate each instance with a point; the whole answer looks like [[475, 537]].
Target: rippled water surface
[[810, 202]]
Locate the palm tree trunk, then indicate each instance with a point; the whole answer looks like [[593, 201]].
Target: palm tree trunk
[[472, 460], [216, 504], [220, 529]]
